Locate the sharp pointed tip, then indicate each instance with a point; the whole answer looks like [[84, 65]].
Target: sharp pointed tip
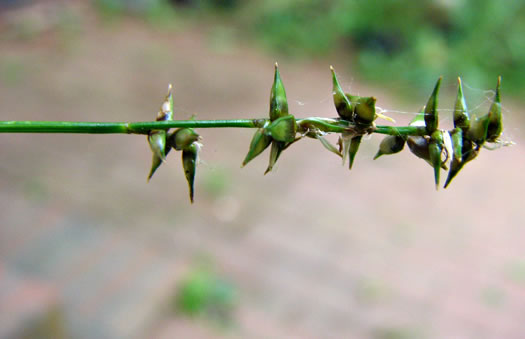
[[377, 155], [170, 86], [276, 65]]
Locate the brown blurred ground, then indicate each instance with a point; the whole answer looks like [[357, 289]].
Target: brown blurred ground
[[315, 251]]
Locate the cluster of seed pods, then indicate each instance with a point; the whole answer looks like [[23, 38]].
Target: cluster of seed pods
[[358, 113], [182, 139]]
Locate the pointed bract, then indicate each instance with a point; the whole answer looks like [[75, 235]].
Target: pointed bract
[[341, 101], [156, 162], [495, 126], [278, 101], [354, 147], [275, 153], [461, 115], [419, 119], [431, 113], [329, 146], [259, 143], [189, 163]]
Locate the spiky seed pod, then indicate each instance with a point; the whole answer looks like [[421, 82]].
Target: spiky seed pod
[[456, 135], [157, 139], [478, 130], [259, 143], [342, 102], [495, 126], [157, 143], [189, 162], [365, 110], [183, 137], [354, 147], [431, 113], [278, 101], [283, 129], [435, 148], [391, 144], [461, 115]]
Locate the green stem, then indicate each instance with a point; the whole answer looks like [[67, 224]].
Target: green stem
[[326, 124]]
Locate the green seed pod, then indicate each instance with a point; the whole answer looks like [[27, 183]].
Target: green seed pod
[[182, 138], [431, 113], [365, 110], [435, 148], [342, 101], [354, 147], [189, 162], [283, 129], [278, 101], [461, 115], [495, 126], [391, 144], [478, 130], [259, 143]]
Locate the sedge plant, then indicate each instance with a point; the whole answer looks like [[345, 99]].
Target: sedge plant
[[441, 149]]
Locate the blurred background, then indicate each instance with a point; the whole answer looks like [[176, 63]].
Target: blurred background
[[89, 249]]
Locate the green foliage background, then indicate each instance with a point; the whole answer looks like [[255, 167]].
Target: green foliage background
[[412, 41]]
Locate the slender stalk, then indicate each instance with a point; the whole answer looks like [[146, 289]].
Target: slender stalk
[[326, 124]]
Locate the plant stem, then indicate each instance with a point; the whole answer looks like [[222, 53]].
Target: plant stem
[[326, 124]]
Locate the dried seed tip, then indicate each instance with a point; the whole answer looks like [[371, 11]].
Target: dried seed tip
[[342, 103], [183, 137], [391, 144], [259, 143], [431, 114], [189, 163], [495, 126], [354, 147], [283, 129], [461, 115], [329, 146], [278, 101]]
